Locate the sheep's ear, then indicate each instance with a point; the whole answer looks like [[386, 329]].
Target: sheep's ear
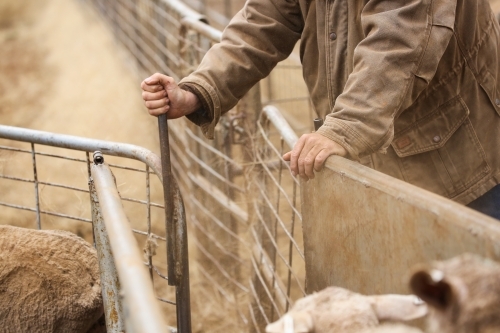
[[398, 307], [294, 322], [432, 286]]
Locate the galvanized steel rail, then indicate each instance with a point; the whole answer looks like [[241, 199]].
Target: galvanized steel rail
[[142, 313], [83, 144]]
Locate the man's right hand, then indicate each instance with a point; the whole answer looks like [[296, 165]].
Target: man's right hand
[[161, 95]]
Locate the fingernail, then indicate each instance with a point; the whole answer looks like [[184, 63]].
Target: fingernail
[[148, 80], [294, 174]]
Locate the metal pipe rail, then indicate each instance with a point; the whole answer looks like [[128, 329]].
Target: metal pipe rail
[[274, 115], [142, 313], [83, 144]]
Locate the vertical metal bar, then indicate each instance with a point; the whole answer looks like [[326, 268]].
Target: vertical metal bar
[[88, 164], [37, 197], [175, 220], [167, 197], [318, 122], [90, 178], [110, 284], [275, 230], [148, 217], [290, 248]]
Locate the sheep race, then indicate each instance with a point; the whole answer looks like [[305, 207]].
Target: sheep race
[[274, 247]]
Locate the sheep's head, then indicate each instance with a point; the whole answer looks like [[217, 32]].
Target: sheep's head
[[463, 294], [339, 310]]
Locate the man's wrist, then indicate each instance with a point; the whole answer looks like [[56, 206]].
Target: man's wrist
[[192, 102]]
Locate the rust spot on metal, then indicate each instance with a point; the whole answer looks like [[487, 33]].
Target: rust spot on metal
[[113, 316]]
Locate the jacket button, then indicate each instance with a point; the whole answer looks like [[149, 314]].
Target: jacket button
[[497, 102], [436, 139], [333, 36]]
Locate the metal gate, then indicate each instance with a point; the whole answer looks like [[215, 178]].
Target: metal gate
[[128, 280]]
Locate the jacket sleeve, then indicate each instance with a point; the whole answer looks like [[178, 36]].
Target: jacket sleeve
[[263, 33], [404, 42]]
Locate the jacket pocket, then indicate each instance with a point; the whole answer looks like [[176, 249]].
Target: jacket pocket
[[432, 131], [441, 152]]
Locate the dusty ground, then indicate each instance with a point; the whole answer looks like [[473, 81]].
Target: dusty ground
[[61, 71]]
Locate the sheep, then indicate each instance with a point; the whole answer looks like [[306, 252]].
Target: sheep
[[336, 309], [49, 282], [463, 294]]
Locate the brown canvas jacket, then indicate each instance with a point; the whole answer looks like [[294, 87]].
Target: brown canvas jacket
[[409, 87]]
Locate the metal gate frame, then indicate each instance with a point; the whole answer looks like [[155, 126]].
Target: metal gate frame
[[127, 289]]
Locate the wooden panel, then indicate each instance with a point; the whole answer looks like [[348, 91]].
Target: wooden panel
[[364, 230]]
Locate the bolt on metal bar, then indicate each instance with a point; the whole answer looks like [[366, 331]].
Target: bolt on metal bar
[[143, 313]]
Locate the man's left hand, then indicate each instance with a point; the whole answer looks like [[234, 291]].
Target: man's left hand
[[310, 153]]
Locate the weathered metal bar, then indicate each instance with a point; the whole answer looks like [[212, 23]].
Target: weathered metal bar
[[167, 198], [110, 284], [202, 28], [85, 144], [143, 312], [183, 10], [148, 218], [274, 115], [175, 220], [37, 194]]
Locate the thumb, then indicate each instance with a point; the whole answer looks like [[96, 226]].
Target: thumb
[[287, 156]]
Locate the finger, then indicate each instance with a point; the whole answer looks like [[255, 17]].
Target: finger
[[151, 88], [148, 96], [320, 159], [157, 103], [159, 111], [309, 161], [161, 79], [152, 80], [287, 156], [156, 78], [294, 156], [304, 162]]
